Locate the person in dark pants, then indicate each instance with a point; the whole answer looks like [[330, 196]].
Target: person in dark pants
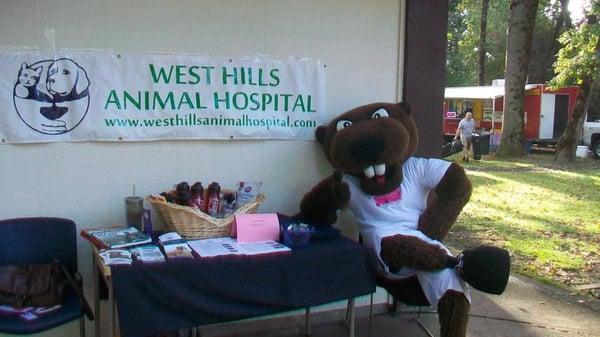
[[465, 130]]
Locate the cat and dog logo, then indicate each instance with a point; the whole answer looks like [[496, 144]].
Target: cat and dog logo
[[52, 96]]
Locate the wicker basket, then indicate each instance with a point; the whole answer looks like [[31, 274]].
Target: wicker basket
[[194, 224]]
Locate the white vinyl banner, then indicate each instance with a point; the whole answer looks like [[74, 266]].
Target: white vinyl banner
[[75, 96]]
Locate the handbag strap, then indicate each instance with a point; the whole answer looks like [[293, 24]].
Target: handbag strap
[[20, 300], [85, 306]]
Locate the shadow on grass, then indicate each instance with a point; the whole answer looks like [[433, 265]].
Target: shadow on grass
[[557, 181], [548, 223]]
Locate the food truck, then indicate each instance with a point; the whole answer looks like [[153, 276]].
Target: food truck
[[547, 110]]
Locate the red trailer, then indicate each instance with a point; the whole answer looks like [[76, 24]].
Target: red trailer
[[546, 111]]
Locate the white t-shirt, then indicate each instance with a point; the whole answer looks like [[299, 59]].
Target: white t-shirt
[[398, 212]]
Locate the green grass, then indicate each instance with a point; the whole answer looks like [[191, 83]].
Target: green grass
[[546, 215]]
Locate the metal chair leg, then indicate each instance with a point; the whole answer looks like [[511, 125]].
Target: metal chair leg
[[82, 326], [393, 308], [347, 311], [371, 315], [307, 322], [351, 325]]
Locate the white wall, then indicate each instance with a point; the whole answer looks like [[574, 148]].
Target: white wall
[[358, 40]]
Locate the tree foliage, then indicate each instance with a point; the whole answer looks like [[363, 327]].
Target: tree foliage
[[552, 19], [578, 58], [463, 41], [464, 27], [578, 63]]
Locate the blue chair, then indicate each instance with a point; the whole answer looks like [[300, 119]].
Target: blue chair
[[43, 240]]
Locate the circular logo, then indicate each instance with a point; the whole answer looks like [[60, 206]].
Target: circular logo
[[52, 96]]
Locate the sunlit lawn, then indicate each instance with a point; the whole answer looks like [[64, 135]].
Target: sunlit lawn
[[547, 216]]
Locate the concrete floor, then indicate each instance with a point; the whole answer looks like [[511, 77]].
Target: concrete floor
[[527, 308]]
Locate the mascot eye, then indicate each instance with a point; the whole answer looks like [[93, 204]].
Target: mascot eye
[[343, 124], [380, 114]]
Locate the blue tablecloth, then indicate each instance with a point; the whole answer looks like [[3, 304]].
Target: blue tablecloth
[[177, 294]]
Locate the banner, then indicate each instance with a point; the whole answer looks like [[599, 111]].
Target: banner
[[74, 96]]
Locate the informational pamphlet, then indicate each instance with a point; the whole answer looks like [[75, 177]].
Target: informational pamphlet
[[174, 245], [215, 247], [177, 249], [229, 246], [148, 253], [262, 247], [115, 256]]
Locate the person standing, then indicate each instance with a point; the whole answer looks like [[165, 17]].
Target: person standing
[[465, 130]]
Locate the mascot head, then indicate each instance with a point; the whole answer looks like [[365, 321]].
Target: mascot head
[[371, 142]]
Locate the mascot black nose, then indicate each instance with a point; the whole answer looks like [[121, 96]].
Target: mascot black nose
[[367, 149]]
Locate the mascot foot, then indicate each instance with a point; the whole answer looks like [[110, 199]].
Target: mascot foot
[[453, 312], [485, 268]]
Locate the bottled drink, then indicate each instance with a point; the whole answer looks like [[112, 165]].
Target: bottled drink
[[212, 199], [197, 199]]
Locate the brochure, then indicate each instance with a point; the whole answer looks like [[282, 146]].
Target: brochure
[[264, 247], [148, 253], [215, 247], [170, 236], [229, 246], [115, 256], [177, 249]]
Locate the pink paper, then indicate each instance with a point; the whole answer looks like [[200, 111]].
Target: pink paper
[[255, 227]]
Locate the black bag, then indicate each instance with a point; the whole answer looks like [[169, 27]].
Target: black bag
[[451, 148], [35, 285], [476, 147]]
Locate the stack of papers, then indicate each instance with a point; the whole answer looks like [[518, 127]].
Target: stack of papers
[[150, 253], [170, 236], [115, 256], [174, 245], [229, 246]]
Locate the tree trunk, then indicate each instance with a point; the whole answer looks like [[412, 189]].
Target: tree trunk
[[567, 144], [521, 21], [485, 5]]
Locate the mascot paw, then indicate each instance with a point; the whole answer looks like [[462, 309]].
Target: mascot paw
[[485, 268]]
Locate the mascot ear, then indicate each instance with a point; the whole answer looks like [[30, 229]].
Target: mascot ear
[[320, 133], [406, 107]]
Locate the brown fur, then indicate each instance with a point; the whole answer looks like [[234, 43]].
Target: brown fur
[[371, 141], [451, 195], [408, 251], [319, 206], [453, 313]]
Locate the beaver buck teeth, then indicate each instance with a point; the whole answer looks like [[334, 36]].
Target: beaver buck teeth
[[372, 170]]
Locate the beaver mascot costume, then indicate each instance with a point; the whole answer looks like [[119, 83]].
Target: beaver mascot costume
[[404, 207]]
